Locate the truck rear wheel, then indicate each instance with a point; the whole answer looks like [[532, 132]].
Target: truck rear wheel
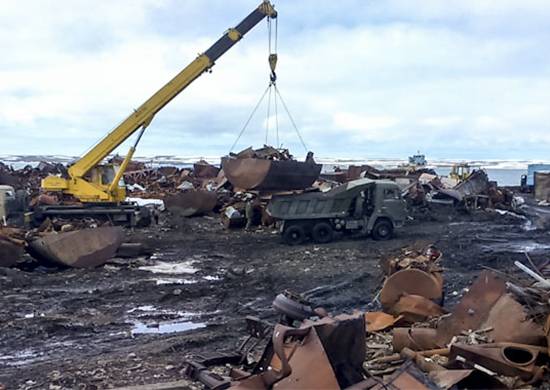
[[322, 232], [294, 235], [382, 230]]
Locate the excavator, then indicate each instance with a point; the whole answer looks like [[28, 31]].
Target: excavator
[[96, 186]]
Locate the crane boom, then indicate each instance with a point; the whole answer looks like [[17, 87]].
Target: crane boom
[[89, 187]]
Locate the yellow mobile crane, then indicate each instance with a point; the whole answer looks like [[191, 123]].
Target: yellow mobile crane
[[97, 186]]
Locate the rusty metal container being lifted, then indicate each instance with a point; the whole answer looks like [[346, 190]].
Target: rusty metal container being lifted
[[270, 175], [85, 248]]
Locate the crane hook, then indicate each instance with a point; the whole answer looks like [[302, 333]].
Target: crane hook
[[272, 65]]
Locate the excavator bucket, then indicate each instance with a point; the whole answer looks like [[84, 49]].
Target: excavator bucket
[[270, 175], [85, 248]]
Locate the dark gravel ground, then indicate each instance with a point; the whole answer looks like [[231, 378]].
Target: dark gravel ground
[[83, 329]]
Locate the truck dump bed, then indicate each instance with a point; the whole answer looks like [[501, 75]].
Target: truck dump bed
[[314, 205]]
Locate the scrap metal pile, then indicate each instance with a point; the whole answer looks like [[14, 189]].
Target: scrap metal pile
[[497, 336], [424, 189], [250, 174]]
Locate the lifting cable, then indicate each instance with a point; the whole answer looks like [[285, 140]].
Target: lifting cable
[[271, 90], [249, 119]]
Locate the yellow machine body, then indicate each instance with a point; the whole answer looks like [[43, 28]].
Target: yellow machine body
[[87, 180]]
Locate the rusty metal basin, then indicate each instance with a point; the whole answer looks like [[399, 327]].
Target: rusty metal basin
[[410, 281], [9, 253], [85, 248], [270, 175], [191, 203]]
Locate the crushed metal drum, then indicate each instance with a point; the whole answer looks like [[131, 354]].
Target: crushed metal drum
[[191, 203], [85, 248], [270, 175]]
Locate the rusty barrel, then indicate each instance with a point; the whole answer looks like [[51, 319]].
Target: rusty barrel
[[270, 175], [85, 248]]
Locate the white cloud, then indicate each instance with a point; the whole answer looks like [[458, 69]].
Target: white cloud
[[382, 80]]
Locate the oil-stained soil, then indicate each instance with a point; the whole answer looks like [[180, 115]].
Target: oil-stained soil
[[134, 321]]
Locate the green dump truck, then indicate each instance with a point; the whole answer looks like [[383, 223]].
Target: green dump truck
[[361, 206]]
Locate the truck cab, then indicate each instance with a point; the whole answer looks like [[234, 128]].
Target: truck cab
[[363, 206]]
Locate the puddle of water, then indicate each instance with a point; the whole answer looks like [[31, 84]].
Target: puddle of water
[[519, 247], [142, 308], [20, 358], [174, 281], [150, 309], [162, 267], [166, 327], [29, 355]]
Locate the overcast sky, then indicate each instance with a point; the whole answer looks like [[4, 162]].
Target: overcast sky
[[462, 79]]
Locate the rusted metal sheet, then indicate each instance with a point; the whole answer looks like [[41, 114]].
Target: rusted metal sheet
[[204, 170], [508, 321], [295, 363], [344, 341], [191, 203], [507, 359], [407, 377], [270, 175], [410, 281], [378, 320], [465, 379], [547, 332], [416, 308], [476, 183], [322, 354], [9, 253], [417, 339], [486, 305], [470, 311], [85, 248], [310, 367]]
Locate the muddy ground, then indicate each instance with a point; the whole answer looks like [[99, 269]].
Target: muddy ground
[[127, 323]]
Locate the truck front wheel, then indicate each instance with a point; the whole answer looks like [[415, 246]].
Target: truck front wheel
[[322, 232], [294, 235], [382, 230]]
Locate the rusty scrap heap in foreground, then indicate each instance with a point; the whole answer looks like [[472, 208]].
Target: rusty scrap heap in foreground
[[497, 337]]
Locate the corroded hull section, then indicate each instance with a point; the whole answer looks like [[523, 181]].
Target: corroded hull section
[[86, 248], [270, 175], [191, 203]]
